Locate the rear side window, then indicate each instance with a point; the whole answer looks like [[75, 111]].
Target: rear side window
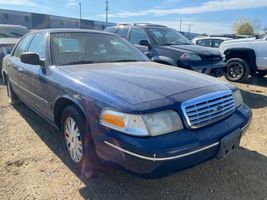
[[205, 42], [137, 35], [38, 45], [123, 32], [23, 46]]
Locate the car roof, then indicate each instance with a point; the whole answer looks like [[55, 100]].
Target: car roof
[[67, 30], [219, 38], [140, 25], [14, 26]]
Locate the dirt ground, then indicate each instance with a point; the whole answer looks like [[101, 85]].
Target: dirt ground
[[33, 164]]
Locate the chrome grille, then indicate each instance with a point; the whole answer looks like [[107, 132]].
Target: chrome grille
[[207, 109]]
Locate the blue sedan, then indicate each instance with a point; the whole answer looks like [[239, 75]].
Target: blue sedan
[[112, 104]]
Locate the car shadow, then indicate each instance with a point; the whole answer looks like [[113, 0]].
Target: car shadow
[[253, 99], [201, 182], [257, 81], [1, 81]]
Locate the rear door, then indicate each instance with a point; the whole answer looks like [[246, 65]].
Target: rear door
[[33, 78], [14, 64]]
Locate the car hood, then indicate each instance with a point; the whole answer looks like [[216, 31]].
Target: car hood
[[7, 41], [195, 49], [140, 81]]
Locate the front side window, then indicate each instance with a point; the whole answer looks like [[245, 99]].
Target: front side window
[[167, 36], [22, 46], [137, 35], [86, 48], [123, 32], [38, 45]]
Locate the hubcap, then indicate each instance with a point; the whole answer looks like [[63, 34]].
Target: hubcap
[[235, 71], [73, 139]]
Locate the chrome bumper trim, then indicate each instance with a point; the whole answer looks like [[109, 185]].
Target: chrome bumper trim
[[154, 158]]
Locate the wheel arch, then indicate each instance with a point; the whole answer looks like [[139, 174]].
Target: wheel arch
[[246, 54], [63, 102]]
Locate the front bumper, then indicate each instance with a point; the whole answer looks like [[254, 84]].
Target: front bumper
[[158, 156], [216, 69]]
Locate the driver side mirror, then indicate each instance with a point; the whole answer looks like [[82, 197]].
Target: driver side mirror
[[32, 59], [145, 43]]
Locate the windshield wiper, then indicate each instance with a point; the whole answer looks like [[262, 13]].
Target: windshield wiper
[[79, 62], [125, 60]]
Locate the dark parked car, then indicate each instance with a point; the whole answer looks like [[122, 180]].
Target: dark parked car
[[167, 46], [112, 104], [9, 36]]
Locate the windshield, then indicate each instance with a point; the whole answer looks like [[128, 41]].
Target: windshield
[[13, 32], [86, 48], [167, 36]]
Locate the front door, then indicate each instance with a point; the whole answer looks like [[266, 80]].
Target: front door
[[33, 78]]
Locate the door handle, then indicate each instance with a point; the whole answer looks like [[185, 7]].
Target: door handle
[[20, 70]]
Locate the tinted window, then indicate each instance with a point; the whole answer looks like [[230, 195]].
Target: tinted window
[[137, 35], [38, 45], [167, 36], [123, 32], [23, 45], [205, 42], [86, 48], [217, 42]]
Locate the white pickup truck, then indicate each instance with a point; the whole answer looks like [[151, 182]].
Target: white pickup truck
[[245, 57]]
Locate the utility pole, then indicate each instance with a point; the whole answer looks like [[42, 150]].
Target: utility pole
[[107, 9], [189, 29], [80, 14], [181, 22]]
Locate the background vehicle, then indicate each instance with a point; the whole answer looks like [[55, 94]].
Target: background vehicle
[[111, 103], [167, 46], [213, 42], [245, 57], [9, 36]]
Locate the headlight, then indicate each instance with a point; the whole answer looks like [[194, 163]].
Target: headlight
[[190, 56], [163, 122], [153, 124], [237, 98]]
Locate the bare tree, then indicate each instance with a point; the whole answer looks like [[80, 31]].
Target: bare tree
[[244, 26]]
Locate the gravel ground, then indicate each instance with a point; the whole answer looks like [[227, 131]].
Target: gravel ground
[[33, 164]]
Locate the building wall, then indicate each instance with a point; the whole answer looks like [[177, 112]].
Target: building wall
[[41, 21], [16, 18]]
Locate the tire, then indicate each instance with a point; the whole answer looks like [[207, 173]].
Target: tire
[[238, 70], [12, 98], [82, 155]]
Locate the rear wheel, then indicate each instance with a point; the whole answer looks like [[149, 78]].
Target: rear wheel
[[238, 70], [78, 141], [12, 98]]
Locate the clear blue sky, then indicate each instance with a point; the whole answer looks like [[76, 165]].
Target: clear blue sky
[[206, 16]]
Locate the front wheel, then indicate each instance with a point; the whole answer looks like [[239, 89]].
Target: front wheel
[[238, 70], [78, 141]]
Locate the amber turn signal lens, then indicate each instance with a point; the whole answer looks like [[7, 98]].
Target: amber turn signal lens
[[114, 120]]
